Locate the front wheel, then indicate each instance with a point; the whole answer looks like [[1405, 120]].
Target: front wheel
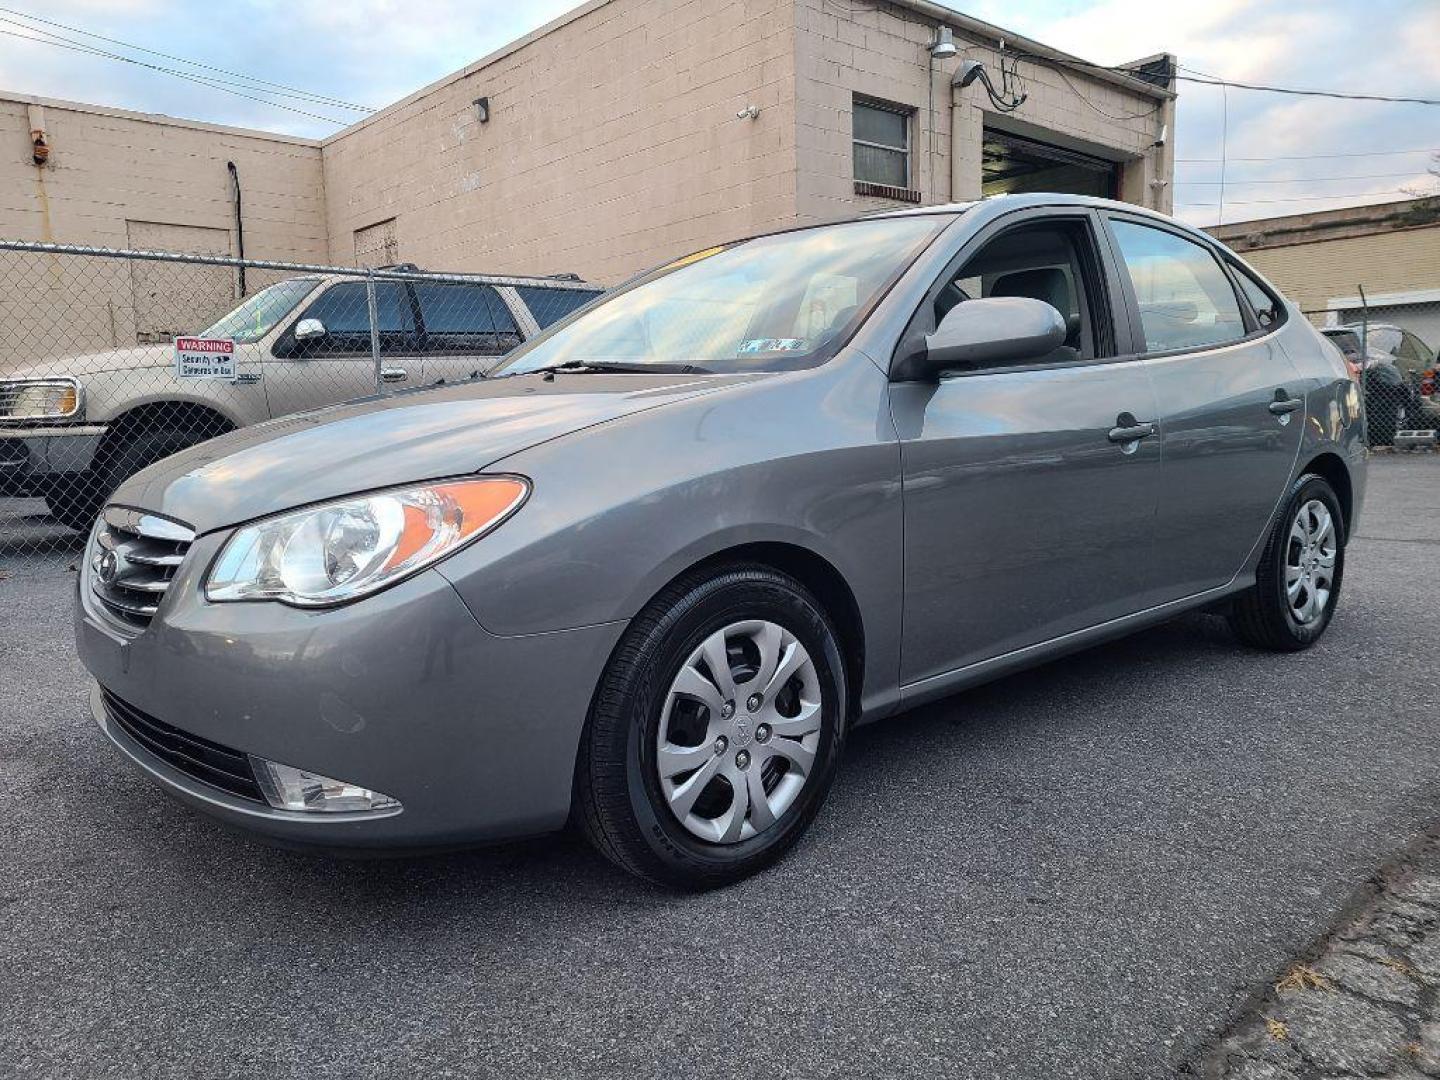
[[1297, 583], [716, 730], [76, 504]]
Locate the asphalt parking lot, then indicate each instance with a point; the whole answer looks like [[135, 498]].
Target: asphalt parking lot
[[1077, 872]]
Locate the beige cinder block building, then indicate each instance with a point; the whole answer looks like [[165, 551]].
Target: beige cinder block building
[[1322, 261], [622, 134]]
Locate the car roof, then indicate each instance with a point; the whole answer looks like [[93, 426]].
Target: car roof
[[996, 205], [460, 278]]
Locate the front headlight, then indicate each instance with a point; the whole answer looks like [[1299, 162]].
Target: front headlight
[[39, 399], [343, 550]]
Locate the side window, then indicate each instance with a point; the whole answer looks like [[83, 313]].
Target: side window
[[344, 309], [465, 319], [551, 305], [1269, 311], [1054, 262], [1185, 299]]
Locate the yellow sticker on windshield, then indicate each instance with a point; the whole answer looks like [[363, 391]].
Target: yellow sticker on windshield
[[694, 257]]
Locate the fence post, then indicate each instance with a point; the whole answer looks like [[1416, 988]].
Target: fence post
[[1364, 367], [374, 331]]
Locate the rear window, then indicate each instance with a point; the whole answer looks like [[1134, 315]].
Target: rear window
[[1269, 311], [551, 305]]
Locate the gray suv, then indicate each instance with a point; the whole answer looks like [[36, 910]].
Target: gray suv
[[648, 575], [72, 430]]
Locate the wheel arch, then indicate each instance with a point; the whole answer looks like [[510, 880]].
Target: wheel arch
[[818, 575], [153, 415], [1332, 468]]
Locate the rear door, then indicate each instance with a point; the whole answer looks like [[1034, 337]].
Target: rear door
[[1029, 513], [1231, 403], [466, 329]]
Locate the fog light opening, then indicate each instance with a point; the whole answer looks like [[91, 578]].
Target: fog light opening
[[288, 788]]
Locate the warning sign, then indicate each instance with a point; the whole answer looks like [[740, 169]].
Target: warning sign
[[204, 358]]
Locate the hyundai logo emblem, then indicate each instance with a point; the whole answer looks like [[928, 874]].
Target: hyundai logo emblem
[[107, 567]]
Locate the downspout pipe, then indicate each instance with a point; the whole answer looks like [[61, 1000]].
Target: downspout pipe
[[239, 223]]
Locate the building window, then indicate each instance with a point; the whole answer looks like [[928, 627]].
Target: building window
[[882, 144]]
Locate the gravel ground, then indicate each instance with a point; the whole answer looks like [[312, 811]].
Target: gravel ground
[[1085, 871]]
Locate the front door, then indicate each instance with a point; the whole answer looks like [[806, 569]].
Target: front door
[[338, 365], [1030, 491], [1231, 404]]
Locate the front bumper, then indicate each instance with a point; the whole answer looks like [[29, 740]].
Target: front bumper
[[403, 692], [32, 458]]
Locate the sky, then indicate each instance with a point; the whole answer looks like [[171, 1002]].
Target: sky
[[1283, 154]]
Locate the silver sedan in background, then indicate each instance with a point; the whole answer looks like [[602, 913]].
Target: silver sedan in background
[[649, 576]]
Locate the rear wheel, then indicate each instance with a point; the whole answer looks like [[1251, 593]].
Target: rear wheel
[[716, 730], [1297, 583]]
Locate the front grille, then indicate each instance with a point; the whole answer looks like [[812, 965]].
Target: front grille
[[206, 761], [133, 560]]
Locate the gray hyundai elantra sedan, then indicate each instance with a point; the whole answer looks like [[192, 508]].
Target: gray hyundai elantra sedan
[[648, 577]]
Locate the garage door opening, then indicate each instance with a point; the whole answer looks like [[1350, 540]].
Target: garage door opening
[[1011, 164]]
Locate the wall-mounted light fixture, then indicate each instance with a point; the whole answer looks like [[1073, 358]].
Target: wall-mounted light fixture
[[944, 43], [749, 112], [482, 109]]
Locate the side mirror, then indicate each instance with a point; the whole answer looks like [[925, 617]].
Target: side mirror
[[309, 330], [988, 332]]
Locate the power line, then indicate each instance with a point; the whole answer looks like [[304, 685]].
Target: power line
[[291, 91], [1211, 80], [1302, 179], [1335, 94], [1312, 157], [1307, 198], [199, 79]]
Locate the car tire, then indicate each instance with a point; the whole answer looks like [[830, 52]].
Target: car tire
[[76, 504], [631, 812], [1297, 583]]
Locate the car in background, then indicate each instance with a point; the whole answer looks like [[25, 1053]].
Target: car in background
[[72, 431], [1397, 371]]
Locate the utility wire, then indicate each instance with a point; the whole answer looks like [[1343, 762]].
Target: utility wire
[[1311, 157], [1295, 91], [1303, 179], [1306, 198], [290, 91], [199, 79]]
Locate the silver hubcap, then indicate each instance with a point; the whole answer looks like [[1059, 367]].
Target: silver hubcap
[[1310, 561], [739, 731]]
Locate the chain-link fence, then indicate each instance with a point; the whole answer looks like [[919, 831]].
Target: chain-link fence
[[112, 360], [1393, 350]]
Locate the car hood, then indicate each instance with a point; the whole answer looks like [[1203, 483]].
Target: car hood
[[140, 356], [388, 441]]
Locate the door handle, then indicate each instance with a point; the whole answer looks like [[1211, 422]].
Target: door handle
[[1283, 406], [1128, 430], [393, 374]]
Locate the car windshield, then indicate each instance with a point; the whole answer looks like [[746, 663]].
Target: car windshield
[[255, 318], [1384, 339], [771, 303]]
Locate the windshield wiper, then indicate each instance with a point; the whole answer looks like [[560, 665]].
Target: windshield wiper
[[608, 367]]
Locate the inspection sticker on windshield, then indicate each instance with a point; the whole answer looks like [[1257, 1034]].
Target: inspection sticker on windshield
[[204, 358], [770, 344]]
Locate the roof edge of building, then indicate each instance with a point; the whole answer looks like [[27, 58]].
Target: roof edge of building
[[65, 105], [980, 28], [1344, 223]]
